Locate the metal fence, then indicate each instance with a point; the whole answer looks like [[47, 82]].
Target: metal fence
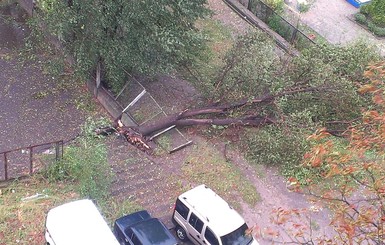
[[280, 25], [28, 160], [141, 107]]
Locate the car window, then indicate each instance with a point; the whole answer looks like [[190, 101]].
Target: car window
[[181, 209], [196, 222], [237, 237], [135, 240], [210, 237]]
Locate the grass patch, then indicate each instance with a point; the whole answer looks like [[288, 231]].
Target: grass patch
[[113, 209], [85, 163], [219, 41], [84, 172], [206, 166], [164, 144], [22, 222]]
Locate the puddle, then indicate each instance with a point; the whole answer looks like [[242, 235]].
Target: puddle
[[12, 26]]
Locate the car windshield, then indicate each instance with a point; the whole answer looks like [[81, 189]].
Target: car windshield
[[237, 237]]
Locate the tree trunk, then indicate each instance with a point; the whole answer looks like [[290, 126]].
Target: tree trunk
[[189, 117]]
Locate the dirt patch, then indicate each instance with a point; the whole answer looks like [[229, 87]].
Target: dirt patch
[[12, 26]]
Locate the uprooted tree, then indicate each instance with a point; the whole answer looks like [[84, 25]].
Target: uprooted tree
[[254, 87]]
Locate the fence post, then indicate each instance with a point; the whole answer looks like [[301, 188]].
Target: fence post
[[30, 160], [5, 166], [293, 36], [57, 151]]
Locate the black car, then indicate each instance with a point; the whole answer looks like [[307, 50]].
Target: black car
[[141, 229]]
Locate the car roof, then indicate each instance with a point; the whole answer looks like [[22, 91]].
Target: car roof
[[153, 232], [131, 219], [215, 211], [79, 222]]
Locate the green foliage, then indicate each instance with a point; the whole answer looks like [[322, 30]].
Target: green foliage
[[136, 36], [219, 41], [248, 67], [251, 69], [378, 31], [303, 7], [277, 24], [288, 32], [375, 11], [336, 70], [276, 5], [373, 16], [270, 145], [85, 162], [360, 18], [325, 78]]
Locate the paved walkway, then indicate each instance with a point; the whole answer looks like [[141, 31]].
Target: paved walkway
[[333, 20], [35, 108]]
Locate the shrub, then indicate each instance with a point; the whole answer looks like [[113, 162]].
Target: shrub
[[379, 20], [375, 10], [378, 31], [360, 18]]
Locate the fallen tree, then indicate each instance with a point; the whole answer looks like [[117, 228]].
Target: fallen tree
[[190, 117], [255, 88]]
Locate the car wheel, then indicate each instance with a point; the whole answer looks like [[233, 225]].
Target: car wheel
[[181, 233]]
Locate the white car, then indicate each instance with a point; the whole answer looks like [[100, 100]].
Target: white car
[[77, 223], [203, 217]]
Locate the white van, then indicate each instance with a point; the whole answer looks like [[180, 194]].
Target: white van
[[77, 222], [204, 218]]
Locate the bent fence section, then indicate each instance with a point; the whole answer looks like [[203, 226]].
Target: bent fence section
[[25, 161]]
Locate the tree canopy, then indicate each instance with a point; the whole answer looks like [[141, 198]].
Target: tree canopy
[[348, 176], [137, 36]]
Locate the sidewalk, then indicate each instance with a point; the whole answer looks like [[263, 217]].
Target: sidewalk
[[333, 21]]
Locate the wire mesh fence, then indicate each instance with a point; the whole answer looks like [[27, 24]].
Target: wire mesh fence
[[141, 107], [280, 25]]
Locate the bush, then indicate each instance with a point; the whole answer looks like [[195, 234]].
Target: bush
[[378, 31], [375, 10], [360, 18]]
